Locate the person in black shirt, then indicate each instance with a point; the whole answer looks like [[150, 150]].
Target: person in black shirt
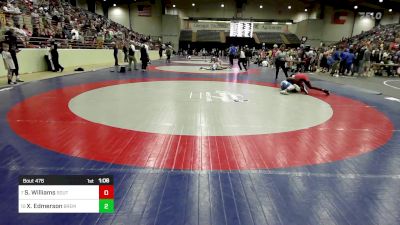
[[54, 58], [160, 51], [11, 40], [144, 57], [249, 55], [125, 50], [115, 57], [358, 61]]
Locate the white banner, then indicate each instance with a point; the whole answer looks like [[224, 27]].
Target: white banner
[[226, 27]]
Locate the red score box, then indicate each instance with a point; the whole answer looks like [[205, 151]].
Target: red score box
[[106, 192]]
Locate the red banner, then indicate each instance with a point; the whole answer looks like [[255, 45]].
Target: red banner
[[144, 10], [339, 17]]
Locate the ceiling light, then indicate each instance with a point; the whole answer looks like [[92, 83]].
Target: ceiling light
[[355, 7], [193, 4], [261, 6], [174, 6], [306, 10], [114, 4], [390, 10], [289, 7], [222, 5], [380, 1], [275, 23], [288, 23]]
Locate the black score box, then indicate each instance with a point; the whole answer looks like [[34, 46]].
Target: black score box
[[66, 194]]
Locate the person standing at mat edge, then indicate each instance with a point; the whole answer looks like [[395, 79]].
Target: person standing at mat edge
[[249, 55], [168, 53], [144, 57], [242, 59], [131, 52], [54, 58], [11, 40], [280, 59], [8, 63], [160, 50], [115, 56], [232, 53], [125, 51]]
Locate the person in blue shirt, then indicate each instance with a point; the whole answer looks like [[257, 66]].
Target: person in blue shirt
[[330, 61], [336, 58], [349, 61], [232, 53], [343, 60]]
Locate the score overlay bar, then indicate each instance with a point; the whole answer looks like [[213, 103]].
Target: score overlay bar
[[66, 194]]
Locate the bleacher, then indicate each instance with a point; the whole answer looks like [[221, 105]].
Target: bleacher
[[292, 38], [186, 35], [58, 26], [270, 37], [208, 36]]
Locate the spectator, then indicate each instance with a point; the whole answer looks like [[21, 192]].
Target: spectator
[[144, 57], [75, 34], [11, 40], [336, 58], [343, 59], [349, 62], [132, 57], [232, 54], [242, 59], [8, 63], [55, 59], [366, 62], [125, 51], [168, 52], [115, 53]]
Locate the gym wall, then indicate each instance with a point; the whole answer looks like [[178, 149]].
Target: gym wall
[[32, 60]]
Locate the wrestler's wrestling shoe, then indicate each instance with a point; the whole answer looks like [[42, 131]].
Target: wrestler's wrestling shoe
[[284, 92]]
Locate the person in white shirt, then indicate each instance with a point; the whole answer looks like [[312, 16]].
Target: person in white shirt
[[242, 59], [204, 54], [131, 53], [8, 64], [50, 62], [35, 19], [9, 8], [147, 51], [75, 34]]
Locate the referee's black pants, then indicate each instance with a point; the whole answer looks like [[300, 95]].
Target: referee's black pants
[[280, 64]]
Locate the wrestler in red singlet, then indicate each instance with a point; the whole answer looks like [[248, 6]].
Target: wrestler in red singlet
[[303, 80]]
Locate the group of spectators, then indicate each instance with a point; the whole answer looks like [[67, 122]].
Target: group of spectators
[[377, 48], [39, 22]]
